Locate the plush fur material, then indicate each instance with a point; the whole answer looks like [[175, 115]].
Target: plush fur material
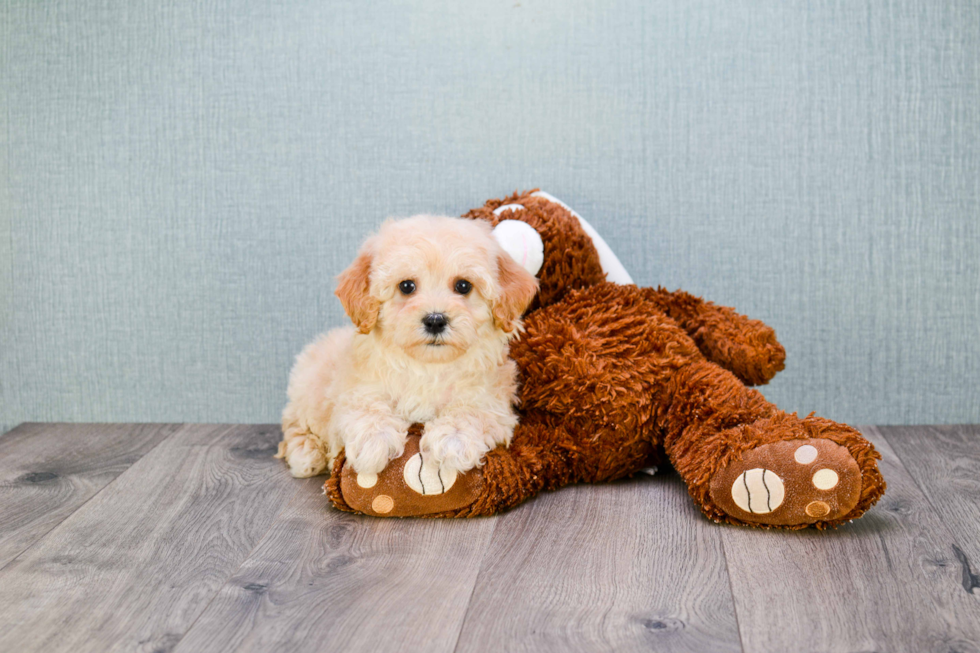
[[616, 378]]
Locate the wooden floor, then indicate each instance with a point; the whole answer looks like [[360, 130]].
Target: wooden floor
[[192, 538]]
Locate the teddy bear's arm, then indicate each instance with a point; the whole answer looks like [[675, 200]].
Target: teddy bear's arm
[[746, 347]]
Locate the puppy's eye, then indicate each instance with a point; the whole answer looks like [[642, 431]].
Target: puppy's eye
[[407, 287], [463, 287]]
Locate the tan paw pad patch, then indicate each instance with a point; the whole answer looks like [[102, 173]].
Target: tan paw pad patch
[[382, 504], [805, 454], [817, 509], [825, 479]]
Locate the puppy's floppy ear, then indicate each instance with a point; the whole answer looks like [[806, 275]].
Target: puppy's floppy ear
[[353, 289], [517, 289]]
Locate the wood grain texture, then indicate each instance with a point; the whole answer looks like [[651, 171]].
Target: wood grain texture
[[945, 462], [327, 580], [48, 470], [887, 582], [204, 543], [134, 567], [629, 566]]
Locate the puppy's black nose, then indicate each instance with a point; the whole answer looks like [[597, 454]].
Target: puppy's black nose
[[435, 322]]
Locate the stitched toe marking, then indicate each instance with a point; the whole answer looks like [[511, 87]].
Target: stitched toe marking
[[817, 509], [382, 504], [825, 479], [806, 454]]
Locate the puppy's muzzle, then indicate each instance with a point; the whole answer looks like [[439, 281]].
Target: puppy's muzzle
[[435, 323]]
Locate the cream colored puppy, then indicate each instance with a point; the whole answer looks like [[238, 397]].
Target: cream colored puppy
[[435, 301]]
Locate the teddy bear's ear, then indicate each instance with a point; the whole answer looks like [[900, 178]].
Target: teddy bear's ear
[[611, 267], [522, 242], [517, 289], [353, 289]]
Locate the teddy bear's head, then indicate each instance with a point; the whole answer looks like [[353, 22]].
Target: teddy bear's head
[[552, 242]]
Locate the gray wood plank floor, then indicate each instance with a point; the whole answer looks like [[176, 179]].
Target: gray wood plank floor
[[192, 538], [48, 470]]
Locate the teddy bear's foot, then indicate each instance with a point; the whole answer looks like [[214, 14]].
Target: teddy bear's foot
[[789, 483], [410, 486]]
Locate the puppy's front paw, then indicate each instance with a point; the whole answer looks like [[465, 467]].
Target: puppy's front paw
[[369, 453], [454, 445]]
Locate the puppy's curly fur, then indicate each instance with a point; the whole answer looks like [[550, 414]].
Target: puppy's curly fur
[[360, 388]]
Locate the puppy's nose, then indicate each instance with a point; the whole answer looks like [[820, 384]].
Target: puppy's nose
[[435, 322]]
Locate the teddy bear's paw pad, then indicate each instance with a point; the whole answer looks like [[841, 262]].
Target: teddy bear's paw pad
[[409, 486], [758, 491], [789, 483], [426, 477]]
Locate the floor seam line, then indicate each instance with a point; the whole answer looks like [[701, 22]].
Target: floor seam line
[[476, 582], [731, 588], [245, 559], [86, 502], [954, 540]]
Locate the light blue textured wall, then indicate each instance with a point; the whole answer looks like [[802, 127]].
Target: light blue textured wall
[[179, 182]]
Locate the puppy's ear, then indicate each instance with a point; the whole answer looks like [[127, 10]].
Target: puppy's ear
[[353, 286], [517, 289]]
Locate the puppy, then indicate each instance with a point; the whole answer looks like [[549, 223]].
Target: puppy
[[435, 301]]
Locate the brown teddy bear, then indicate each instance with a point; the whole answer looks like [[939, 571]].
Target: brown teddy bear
[[615, 378]]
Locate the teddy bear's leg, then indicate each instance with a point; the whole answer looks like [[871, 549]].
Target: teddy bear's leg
[[747, 462], [746, 347]]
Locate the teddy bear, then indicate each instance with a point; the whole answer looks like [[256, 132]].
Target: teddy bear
[[616, 379]]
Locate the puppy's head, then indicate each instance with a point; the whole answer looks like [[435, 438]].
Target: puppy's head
[[435, 286]]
